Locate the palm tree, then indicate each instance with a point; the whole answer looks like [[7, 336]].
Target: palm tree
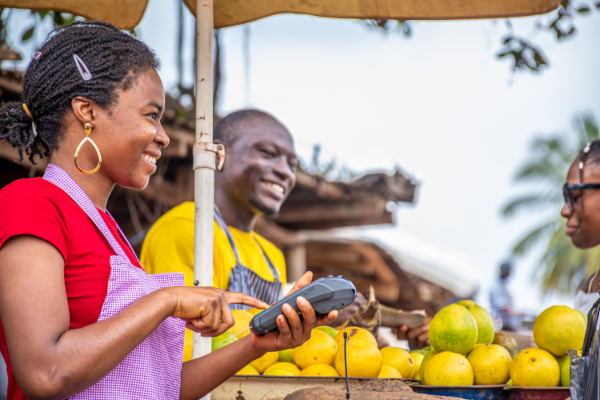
[[562, 266]]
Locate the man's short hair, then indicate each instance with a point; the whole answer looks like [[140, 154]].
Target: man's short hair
[[228, 128]]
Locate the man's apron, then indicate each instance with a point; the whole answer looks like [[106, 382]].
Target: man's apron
[[153, 368], [243, 279]]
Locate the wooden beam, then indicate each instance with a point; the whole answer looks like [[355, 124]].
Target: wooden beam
[[386, 291], [294, 212], [11, 85], [322, 188], [337, 256], [335, 252], [387, 218], [295, 260], [279, 236]]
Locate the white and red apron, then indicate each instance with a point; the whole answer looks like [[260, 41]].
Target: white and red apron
[[153, 368]]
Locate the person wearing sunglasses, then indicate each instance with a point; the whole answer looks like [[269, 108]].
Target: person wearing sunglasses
[[582, 211]]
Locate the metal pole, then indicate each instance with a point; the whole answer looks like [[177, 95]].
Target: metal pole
[[204, 160]]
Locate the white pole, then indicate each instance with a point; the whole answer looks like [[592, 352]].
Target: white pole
[[204, 160]]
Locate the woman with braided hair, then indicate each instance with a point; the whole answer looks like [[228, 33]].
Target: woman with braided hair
[[582, 211], [79, 317]]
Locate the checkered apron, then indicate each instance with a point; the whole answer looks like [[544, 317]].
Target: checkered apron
[[243, 279], [153, 368]]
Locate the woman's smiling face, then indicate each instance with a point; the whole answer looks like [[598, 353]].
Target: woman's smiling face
[[129, 133]]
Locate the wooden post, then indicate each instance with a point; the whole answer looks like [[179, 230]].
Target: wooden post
[[204, 161]]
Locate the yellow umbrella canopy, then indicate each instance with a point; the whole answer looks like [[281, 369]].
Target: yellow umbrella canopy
[[126, 14]]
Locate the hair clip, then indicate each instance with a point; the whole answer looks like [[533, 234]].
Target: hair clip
[[38, 55], [85, 72], [32, 120], [586, 149]]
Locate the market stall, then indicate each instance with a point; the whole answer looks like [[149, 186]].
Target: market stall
[[223, 13]]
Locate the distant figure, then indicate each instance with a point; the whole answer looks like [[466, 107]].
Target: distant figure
[[502, 301]]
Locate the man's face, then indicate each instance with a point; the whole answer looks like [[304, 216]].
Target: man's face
[[584, 228], [260, 166]]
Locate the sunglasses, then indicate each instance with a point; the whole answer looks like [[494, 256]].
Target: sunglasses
[[569, 189]]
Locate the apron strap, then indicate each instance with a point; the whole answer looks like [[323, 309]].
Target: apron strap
[[223, 225], [271, 266], [124, 237], [63, 180], [225, 228]]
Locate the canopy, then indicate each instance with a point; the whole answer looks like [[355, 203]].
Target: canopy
[[126, 14]]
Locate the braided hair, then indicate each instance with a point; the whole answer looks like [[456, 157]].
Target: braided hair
[[590, 152], [53, 80]]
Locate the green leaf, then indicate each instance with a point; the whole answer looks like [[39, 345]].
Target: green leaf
[[583, 10], [532, 238], [28, 34], [536, 202]]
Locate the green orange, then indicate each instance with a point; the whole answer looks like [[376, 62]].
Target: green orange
[[558, 329], [485, 323], [424, 362], [453, 329]]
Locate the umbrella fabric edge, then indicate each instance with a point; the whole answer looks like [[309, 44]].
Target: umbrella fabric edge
[[126, 15], [230, 13]]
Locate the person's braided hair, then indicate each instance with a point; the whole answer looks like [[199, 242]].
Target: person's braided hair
[[593, 153], [53, 80]]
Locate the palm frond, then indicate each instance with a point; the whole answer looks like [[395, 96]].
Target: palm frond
[[533, 237], [531, 202]]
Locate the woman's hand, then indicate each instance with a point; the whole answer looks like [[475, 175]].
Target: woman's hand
[[417, 337], [293, 332], [206, 309]]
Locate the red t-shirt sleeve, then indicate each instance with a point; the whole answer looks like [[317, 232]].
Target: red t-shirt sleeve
[[28, 208]]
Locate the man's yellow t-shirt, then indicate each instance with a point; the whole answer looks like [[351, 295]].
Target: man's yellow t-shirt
[[169, 247]]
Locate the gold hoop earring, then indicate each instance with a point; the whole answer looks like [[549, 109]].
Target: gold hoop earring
[[88, 130]]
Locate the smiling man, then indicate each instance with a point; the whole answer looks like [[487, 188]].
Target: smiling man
[[258, 175]]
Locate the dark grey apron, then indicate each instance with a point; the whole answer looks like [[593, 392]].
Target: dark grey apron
[[243, 279]]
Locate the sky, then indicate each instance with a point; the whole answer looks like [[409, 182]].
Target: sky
[[438, 104]]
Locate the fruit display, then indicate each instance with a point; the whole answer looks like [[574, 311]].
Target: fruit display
[[466, 329], [556, 330], [323, 354], [464, 351]]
